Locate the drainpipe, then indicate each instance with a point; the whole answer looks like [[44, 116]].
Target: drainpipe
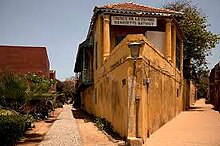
[[137, 101]]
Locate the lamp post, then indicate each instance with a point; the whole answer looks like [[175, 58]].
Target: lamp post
[[135, 51]]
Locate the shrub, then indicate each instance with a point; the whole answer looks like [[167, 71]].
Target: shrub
[[29, 119], [13, 90], [38, 84], [26, 94], [105, 125], [7, 112], [61, 98], [12, 128]]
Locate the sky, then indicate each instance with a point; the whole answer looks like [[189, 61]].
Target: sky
[[61, 25]]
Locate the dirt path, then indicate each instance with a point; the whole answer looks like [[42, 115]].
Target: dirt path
[[34, 136], [90, 134], [200, 126]]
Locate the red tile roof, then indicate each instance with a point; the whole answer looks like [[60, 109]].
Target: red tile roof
[[137, 7]]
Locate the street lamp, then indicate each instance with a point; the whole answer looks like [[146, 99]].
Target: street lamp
[[134, 49], [135, 52]]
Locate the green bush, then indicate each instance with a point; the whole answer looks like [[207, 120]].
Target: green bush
[[38, 84], [12, 128], [7, 112], [13, 90], [105, 125], [29, 119], [25, 94]]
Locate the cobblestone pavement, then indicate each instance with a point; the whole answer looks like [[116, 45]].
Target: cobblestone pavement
[[64, 131], [199, 126]]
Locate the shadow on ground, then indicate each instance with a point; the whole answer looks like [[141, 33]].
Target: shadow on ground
[[31, 138], [202, 105], [108, 131], [199, 109], [50, 120], [81, 114]]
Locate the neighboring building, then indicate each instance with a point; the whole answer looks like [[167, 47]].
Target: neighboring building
[[214, 81], [189, 94], [137, 98], [25, 59]]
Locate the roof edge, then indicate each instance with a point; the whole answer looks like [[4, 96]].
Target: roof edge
[[23, 46]]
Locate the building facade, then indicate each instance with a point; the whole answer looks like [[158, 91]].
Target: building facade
[[25, 59], [214, 82], [140, 95]]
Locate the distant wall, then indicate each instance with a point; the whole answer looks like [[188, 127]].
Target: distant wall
[[214, 81], [189, 94], [24, 59]]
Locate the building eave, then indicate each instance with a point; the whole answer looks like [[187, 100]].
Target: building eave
[[88, 43], [98, 10]]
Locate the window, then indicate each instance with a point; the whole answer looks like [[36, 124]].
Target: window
[[178, 45], [123, 82], [118, 39], [177, 92]]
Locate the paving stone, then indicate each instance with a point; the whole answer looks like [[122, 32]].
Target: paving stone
[[64, 131]]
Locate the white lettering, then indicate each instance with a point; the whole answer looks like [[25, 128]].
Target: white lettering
[[133, 21]]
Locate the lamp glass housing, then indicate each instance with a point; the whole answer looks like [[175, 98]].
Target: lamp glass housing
[[134, 49]]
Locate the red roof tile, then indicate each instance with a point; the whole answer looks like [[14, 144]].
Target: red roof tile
[[137, 7]]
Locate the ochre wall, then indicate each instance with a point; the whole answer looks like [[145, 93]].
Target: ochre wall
[[110, 99], [98, 40], [161, 99]]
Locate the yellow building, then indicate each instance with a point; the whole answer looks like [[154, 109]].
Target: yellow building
[[130, 68]]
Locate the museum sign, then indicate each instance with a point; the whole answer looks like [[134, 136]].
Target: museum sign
[[133, 21]]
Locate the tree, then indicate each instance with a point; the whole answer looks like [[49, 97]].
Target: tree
[[203, 84], [67, 89], [198, 40]]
